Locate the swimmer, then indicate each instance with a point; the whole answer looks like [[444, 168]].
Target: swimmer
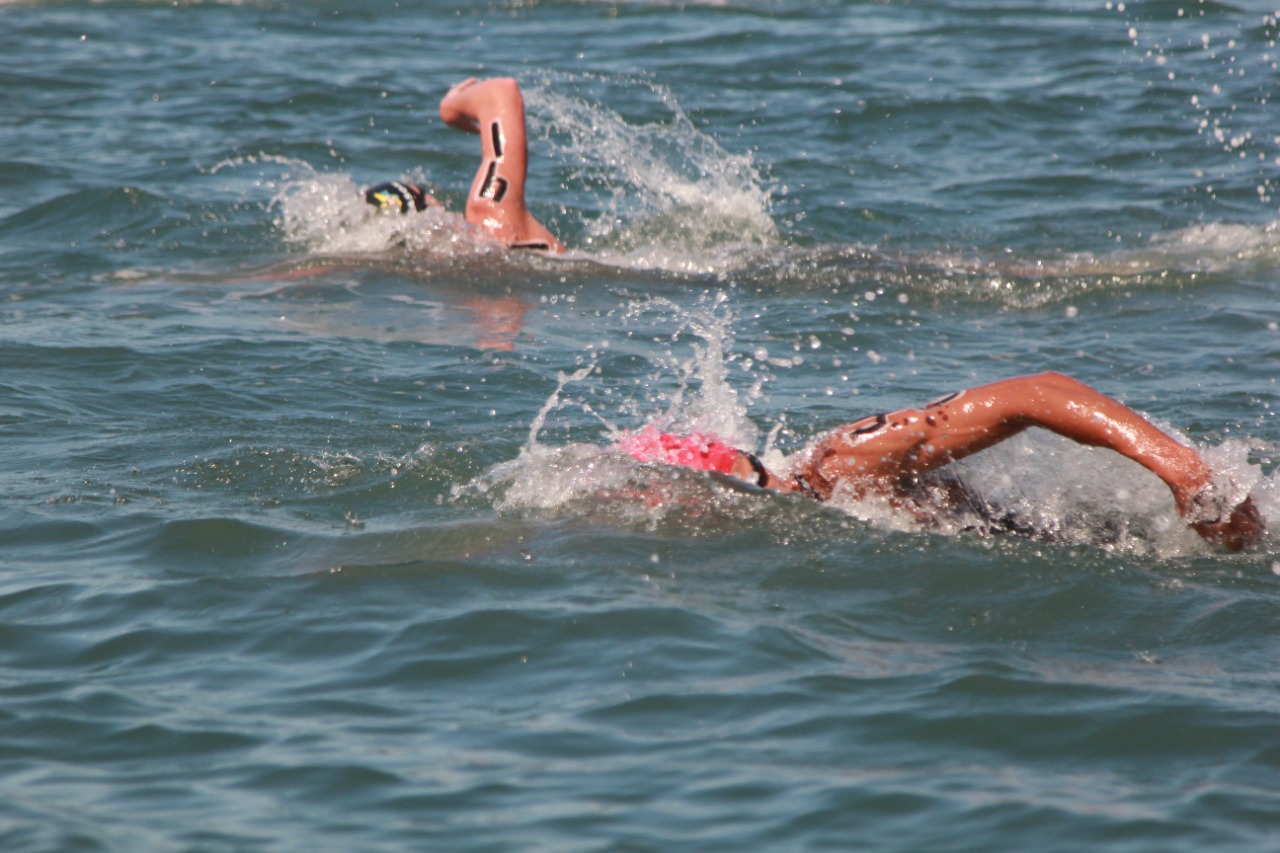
[[897, 455], [494, 109]]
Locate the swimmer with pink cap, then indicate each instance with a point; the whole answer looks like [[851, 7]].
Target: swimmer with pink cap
[[897, 455]]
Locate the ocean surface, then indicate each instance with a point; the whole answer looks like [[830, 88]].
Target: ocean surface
[[311, 533]]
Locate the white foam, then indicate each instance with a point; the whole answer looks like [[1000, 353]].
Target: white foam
[[1214, 247], [325, 213]]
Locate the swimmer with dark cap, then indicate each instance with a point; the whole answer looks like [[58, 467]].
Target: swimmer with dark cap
[[494, 109], [896, 455]]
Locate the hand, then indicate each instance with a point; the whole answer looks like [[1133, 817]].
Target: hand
[[458, 87], [1244, 527], [453, 112]]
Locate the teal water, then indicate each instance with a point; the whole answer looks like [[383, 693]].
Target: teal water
[[307, 537]]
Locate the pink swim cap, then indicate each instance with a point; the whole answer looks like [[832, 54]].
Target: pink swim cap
[[692, 451]]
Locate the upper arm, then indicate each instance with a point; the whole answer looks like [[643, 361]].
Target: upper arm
[[910, 442]]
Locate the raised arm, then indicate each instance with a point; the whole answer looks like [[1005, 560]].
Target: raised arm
[[495, 110], [887, 453]]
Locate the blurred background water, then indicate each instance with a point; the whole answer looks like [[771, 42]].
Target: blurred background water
[[311, 539]]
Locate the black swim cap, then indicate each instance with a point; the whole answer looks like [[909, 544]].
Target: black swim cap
[[394, 194]]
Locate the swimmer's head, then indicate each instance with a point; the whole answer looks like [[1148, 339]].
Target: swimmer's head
[[701, 452], [397, 196]]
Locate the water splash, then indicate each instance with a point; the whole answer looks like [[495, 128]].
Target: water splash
[[697, 383], [1059, 491], [704, 399], [669, 196], [324, 213]]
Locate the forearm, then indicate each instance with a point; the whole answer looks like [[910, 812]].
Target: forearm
[[1074, 410]]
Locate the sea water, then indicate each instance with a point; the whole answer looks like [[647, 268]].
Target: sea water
[[311, 533]]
